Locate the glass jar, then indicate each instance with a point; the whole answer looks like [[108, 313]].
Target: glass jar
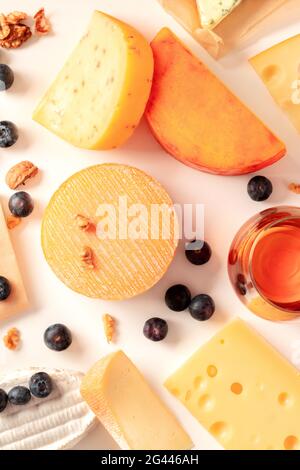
[[264, 263]]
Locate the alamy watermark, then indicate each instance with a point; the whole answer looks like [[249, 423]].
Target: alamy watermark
[[125, 221]]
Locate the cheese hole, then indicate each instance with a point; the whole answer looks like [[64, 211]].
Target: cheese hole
[[206, 402], [175, 392], [221, 430], [222, 341], [284, 399], [291, 443], [236, 388], [188, 395], [212, 371], [271, 73], [197, 381]]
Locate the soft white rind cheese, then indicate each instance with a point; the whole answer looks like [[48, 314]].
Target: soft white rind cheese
[[212, 12], [54, 423]]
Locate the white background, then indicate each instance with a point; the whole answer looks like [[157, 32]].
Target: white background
[[226, 202]]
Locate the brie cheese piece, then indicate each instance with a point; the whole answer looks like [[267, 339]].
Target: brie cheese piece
[[212, 12], [57, 422]]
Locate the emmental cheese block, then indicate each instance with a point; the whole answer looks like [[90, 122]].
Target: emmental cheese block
[[17, 302], [242, 391], [279, 68], [129, 409], [110, 232], [199, 120], [99, 97]]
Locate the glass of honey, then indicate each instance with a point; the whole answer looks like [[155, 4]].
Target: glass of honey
[[264, 263]]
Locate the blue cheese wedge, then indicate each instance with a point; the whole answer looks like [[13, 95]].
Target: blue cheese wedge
[[212, 12]]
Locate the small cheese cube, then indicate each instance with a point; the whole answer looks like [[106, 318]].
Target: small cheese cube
[[242, 391], [129, 409], [17, 301], [99, 97]]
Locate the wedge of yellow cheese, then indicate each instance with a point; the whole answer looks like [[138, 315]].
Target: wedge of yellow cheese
[[99, 97], [279, 68], [133, 233], [17, 302], [242, 391], [129, 409]]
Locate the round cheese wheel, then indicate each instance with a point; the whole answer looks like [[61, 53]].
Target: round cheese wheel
[[130, 238]]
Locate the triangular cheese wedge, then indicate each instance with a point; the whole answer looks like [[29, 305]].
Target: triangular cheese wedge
[[212, 12]]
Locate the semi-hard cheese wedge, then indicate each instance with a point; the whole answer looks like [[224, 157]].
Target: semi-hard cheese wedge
[[212, 12], [17, 301], [99, 97], [110, 232], [199, 120], [242, 391], [279, 68], [129, 409]]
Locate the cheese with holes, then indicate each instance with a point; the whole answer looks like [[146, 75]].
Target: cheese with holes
[[131, 238], [279, 68], [242, 391], [212, 12], [57, 422], [17, 302], [99, 97], [129, 409]]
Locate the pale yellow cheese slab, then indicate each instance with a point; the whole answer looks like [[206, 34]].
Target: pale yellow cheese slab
[[242, 391], [279, 68], [17, 302], [130, 410], [99, 97], [129, 260]]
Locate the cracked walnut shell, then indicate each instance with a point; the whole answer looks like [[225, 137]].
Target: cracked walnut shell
[[20, 173]]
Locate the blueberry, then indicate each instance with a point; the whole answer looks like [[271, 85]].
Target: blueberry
[[6, 77], [198, 252], [40, 385], [202, 307], [155, 329], [3, 400], [21, 204], [5, 288], [58, 337], [8, 134], [19, 395], [178, 298], [260, 188]]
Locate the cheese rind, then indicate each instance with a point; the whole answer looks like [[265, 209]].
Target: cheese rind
[[279, 68], [212, 12], [242, 391], [99, 97], [17, 302], [129, 409], [128, 257]]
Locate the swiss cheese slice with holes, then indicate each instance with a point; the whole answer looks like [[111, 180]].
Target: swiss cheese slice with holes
[[130, 238], [242, 391], [130, 410], [17, 302], [279, 68], [100, 95]]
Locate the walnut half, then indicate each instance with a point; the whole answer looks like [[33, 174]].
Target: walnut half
[[20, 173]]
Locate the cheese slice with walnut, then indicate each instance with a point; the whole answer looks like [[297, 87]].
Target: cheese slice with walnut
[[212, 12], [99, 97]]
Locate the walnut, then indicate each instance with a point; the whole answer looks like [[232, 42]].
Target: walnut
[[295, 188], [4, 27], [109, 327], [83, 222], [16, 17], [12, 221], [20, 173], [87, 258], [42, 24], [19, 33], [12, 339]]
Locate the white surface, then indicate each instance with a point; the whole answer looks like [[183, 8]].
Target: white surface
[[227, 206]]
